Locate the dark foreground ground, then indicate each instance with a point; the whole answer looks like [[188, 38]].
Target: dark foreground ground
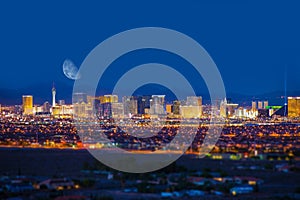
[[70, 163]]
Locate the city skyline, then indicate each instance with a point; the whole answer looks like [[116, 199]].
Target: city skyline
[[149, 100], [111, 106]]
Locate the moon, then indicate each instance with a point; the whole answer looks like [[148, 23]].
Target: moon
[[70, 70]]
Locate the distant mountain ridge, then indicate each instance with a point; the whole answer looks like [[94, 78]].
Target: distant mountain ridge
[[42, 93]]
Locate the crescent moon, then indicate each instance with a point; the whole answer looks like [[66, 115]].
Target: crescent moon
[[70, 70]]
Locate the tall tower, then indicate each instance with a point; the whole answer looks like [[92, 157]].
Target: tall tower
[[53, 95]]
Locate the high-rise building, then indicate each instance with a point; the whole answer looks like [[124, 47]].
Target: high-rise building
[[279, 110], [192, 108], [240, 112], [94, 103], [223, 107], [81, 107], [79, 97], [254, 105], [53, 96], [61, 102], [143, 104], [227, 109], [56, 110], [117, 110], [157, 105], [260, 105], [169, 108], [109, 99], [80, 110], [266, 104], [194, 101], [189, 112], [230, 109], [27, 104], [46, 107], [176, 107], [293, 106], [130, 106], [105, 110]]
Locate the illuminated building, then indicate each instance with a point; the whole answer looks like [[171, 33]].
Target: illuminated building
[[254, 107], [169, 108], [109, 99], [37, 109], [223, 108], [266, 104], [194, 101], [64, 111], [103, 105], [293, 107], [46, 107], [94, 103], [157, 105], [227, 109], [190, 111], [79, 98], [240, 112], [67, 110], [91, 99], [130, 106], [260, 105], [271, 112], [273, 107], [61, 102], [117, 110], [56, 110], [105, 110], [53, 96], [280, 111], [192, 108], [230, 109], [80, 110], [263, 113], [245, 113], [27, 104], [81, 107], [143, 104], [176, 107]]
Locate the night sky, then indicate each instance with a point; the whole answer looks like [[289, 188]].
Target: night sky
[[253, 43]]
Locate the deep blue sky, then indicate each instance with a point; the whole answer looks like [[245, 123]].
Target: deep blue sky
[[250, 41]]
